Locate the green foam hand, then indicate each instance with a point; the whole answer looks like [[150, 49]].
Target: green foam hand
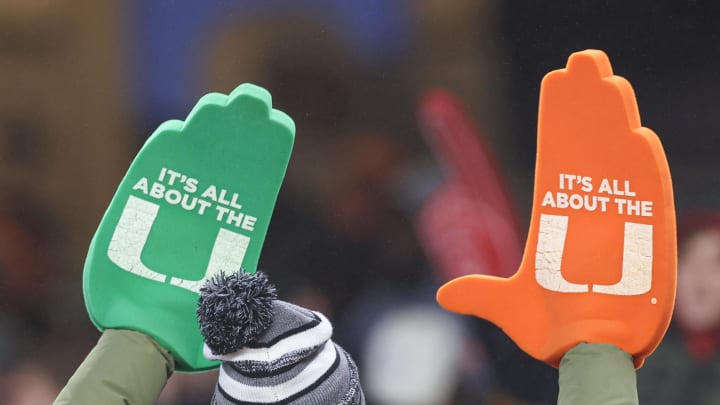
[[196, 200]]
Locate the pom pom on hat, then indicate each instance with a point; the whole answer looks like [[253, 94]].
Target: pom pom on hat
[[234, 310]]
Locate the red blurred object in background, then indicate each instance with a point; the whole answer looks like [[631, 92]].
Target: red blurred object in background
[[469, 225]]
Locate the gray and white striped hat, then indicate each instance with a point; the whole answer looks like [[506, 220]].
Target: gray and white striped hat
[[272, 352]]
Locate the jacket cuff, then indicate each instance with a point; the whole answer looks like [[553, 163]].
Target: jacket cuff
[[595, 374]]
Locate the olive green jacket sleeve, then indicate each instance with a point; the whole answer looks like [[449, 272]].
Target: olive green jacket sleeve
[[597, 374], [124, 367]]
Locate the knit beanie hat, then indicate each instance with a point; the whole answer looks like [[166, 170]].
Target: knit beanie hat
[[272, 352]]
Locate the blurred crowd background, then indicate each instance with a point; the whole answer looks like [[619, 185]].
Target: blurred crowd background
[[84, 83]]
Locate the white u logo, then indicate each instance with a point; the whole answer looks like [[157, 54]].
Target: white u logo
[[131, 234], [637, 259]]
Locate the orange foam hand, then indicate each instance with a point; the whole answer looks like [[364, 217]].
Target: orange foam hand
[[599, 264]]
